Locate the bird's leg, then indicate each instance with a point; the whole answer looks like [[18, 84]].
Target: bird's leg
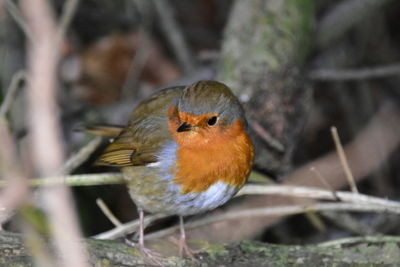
[[182, 243], [148, 255]]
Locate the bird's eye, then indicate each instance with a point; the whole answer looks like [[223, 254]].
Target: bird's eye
[[212, 121]]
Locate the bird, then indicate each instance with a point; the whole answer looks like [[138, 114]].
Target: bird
[[185, 150]]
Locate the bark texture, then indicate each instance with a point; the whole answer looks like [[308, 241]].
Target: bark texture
[[245, 253], [263, 52]]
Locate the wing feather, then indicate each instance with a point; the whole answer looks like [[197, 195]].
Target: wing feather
[[147, 131]]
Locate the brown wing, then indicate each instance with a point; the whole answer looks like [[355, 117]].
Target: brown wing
[[145, 134], [104, 130]]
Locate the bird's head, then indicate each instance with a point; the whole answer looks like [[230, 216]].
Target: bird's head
[[206, 111]]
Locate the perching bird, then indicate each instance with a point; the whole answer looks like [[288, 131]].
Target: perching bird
[[184, 151]]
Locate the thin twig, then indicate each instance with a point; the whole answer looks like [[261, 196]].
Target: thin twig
[[316, 193], [173, 34], [68, 13], [274, 211], [19, 18], [83, 154], [249, 189], [12, 92], [355, 202], [107, 212], [361, 239], [324, 181], [77, 180], [321, 178], [355, 74], [267, 137], [343, 160], [128, 228]]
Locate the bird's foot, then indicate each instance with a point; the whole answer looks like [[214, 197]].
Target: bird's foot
[[149, 256], [184, 248]]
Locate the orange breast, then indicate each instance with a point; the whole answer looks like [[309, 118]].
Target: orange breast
[[212, 155]]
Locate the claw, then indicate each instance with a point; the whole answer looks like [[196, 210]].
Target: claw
[[184, 248], [149, 256]]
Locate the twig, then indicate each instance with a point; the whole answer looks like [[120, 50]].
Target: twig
[[77, 180], [12, 92], [19, 18], [343, 160], [107, 212], [174, 34], [362, 239], [128, 228], [354, 74], [356, 202], [316, 193], [275, 211], [17, 190], [321, 178], [68, 13], [267, 137], [82, 155], [47, 149], [249, 189]]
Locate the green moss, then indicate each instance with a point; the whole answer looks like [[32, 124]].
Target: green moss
[[214, 250], [265, 36], [105, 263]]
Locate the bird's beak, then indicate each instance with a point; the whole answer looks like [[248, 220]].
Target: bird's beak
[[184, 127]]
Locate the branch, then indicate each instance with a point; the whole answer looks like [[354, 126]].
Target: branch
[[279, 211], [317, 193], [360, 239], [83, 154], [173, 34], [18, 17], [77, 180], [355, 202], [245, 253], [354, 74], [67, 15], [12, 92], [47, 149], [343, 160]]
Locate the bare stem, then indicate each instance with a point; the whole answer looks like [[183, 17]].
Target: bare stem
[[12, 92], [274, 211], [18, 17], [343, 160], [128, 228], [82, 155], [47, 148], [68, 13], [354, 74], [174, 34], [107, 212]]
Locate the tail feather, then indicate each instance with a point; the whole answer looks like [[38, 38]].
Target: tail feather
[[102, 130]]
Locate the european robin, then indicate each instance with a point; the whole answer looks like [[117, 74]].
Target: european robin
[[185, 150]]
